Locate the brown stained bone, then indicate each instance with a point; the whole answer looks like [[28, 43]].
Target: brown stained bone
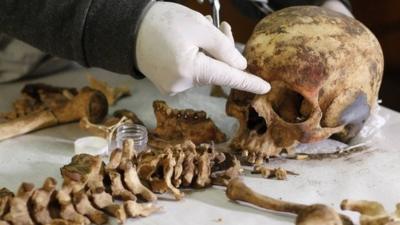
[[128, 114], [122, 160], [23, 106], [115, 159], [128, 152], [178, 168], [67, 209], [104, 201], [161, 185], [188, 173], [86, 195], [5, 198], [178, 125], [39, 97], [158, 170], [84, 169], [64, 194], [134, 209], [207, 157], [90, 187], [49, 96], [117, 211], [95, 129], [134, 184], [100, 198], [19, 212], [371, 212], [104, 128], [315, 214], [147, 165], [40, 201], [118, 191], [225, 171], [266, 172], [35, 98], [38, 90], [317, 89], [84, 207], [26, 124], [113, 94], [203, 170], [186, 165], [69, 213], [88, 103]]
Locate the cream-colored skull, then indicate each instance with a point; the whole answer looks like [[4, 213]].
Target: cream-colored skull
[[325, 70]]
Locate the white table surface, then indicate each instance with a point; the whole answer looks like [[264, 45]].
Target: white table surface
[[372, 175]]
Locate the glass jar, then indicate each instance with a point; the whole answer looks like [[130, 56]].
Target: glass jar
[[130, 131]]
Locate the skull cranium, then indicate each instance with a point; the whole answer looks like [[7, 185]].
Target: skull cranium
[[325, 70]]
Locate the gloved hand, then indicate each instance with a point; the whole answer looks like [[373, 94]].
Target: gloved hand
[[170, 47]]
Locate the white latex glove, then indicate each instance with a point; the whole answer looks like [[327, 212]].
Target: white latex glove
[[169, 51], [337, 6], [224, 27]]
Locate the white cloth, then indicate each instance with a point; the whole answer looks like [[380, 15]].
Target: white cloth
[[371, 175], [178, 48], [18, 60]]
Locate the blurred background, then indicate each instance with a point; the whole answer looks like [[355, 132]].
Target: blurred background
[[382, 17]]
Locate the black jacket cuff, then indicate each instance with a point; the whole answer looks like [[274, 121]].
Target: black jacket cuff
[[110, 34]]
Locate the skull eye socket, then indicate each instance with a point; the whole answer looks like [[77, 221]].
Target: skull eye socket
[[290, 105], [256, 122]]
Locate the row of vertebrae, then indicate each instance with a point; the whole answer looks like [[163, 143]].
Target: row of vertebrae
[[88, 195], [92, 190], [186, 165]]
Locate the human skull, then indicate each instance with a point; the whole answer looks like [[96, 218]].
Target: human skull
[[325, 70]]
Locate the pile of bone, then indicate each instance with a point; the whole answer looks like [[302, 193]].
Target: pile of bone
[[93, 191], [185, 165]]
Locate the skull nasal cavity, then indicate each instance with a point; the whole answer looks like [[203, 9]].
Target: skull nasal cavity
[[256, 122], [291, 106]]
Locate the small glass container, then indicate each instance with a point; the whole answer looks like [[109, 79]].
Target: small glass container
[[130, 131]]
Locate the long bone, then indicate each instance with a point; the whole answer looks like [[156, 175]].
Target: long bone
[[315, 214], [88, 102]]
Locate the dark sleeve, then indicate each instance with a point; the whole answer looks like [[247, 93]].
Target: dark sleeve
[[95, 33], [250, 10]]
